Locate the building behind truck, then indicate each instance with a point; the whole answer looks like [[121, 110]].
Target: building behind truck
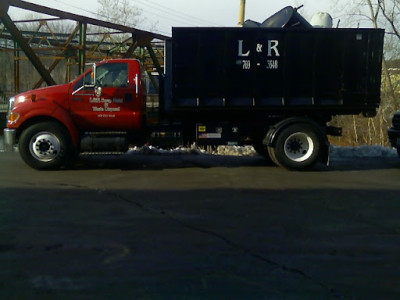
[[274, 85]]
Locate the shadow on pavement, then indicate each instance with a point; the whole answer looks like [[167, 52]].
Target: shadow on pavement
[[171, 161], [80, 242]]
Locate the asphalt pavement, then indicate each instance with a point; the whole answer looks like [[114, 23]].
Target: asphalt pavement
[[199, 227]]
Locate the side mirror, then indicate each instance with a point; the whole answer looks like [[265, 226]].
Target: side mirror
[[86, 84], [93, 75]]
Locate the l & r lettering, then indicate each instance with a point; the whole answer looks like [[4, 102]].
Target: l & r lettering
[[272, 48], [273, 45]]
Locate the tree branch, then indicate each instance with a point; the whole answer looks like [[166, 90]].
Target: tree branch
[[389, 19]]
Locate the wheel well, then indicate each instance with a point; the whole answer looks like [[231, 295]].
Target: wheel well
[[36, 120], [273, 132], [320, 129]]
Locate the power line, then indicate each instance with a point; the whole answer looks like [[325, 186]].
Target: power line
[[183, 18], [174, 12], [153, 9], [167, 17], [103, 16]]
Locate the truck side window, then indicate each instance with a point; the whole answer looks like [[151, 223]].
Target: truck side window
[[112, 75]]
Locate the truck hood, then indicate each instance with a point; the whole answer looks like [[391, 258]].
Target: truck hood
[[57, 93]]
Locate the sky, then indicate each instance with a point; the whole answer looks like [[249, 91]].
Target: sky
[[165, 14]]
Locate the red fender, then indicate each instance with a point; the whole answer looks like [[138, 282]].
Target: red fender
[[49, 110]]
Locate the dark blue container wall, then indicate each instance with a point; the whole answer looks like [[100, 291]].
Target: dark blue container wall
[[268, 68]]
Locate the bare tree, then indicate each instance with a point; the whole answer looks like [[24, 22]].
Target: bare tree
[[119, 11], [391, 12], [378, 14]]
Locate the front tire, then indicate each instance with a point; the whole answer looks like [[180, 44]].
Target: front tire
[[297, 147], [45, 145]]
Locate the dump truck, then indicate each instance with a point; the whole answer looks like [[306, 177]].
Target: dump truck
[[275, 87]]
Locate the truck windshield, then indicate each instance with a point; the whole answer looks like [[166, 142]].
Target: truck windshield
[[112, 75]]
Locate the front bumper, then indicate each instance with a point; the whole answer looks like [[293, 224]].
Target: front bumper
[[9, 139], [394, 137]]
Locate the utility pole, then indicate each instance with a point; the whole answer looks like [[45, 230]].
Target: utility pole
[[242, 12]]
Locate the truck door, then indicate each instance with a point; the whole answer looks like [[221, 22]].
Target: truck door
[[114, 103]]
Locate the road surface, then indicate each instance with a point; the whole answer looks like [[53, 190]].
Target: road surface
[[199, 227]]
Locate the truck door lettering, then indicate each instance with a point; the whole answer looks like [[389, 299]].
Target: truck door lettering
[[106, 103], [96, 108]]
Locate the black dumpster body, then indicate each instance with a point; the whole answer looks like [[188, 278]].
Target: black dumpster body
[[275, 70]]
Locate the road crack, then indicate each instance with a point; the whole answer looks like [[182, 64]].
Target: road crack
[[331, 291]]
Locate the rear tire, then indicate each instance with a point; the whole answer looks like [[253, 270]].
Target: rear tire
[[297, 147], [45, 145]]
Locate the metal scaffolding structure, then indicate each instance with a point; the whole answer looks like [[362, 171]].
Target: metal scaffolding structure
[[88, 40]]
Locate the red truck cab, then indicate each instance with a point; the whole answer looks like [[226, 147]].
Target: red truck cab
[[51, 124], [113, 102]]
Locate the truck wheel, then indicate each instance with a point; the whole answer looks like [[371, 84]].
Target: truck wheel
[[297, 147], [45, 146]]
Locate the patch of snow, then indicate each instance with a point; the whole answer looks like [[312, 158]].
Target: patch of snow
[[151, 150], [335, 151], [236, 150]]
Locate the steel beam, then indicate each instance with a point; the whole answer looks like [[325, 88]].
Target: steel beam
[[82, 47], [16, 34], [140, 38], [154, 58], [16, 68], [57, 61], [132, 47], [82, 19], [3, 7]]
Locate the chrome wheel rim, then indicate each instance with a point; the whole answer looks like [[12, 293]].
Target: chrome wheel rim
[[45, 146], [298, 147]]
